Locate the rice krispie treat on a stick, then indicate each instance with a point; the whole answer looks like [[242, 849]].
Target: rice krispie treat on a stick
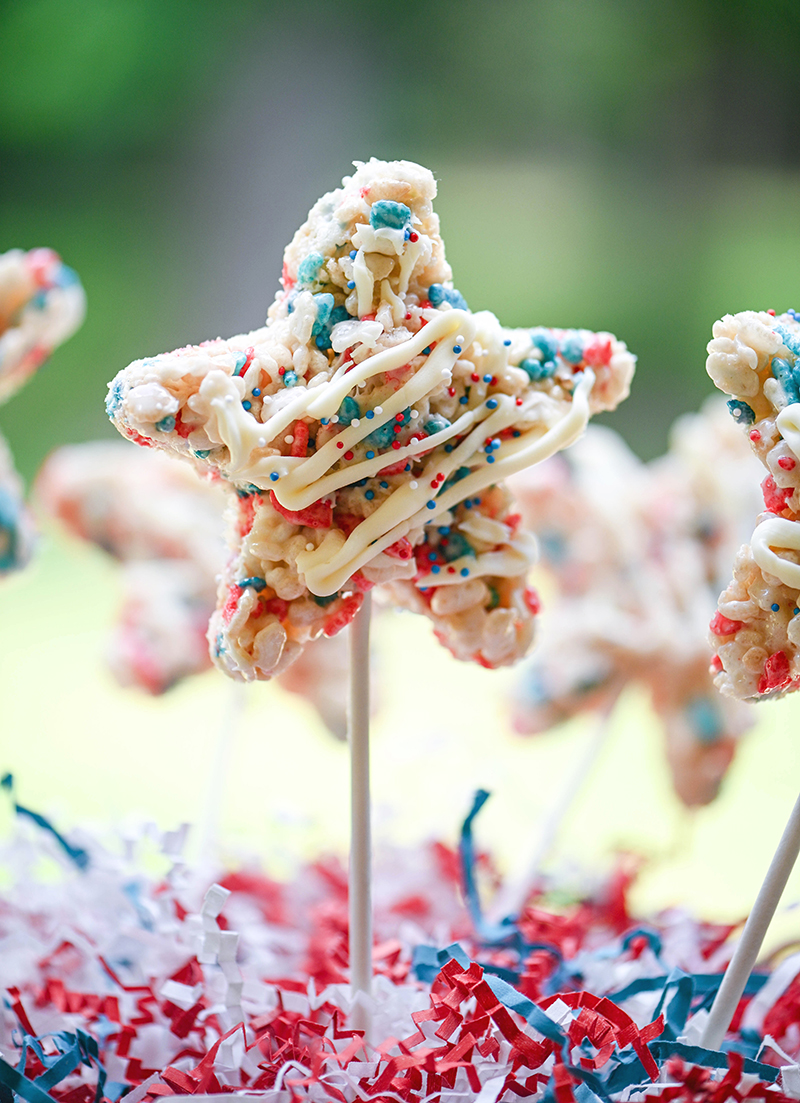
[[164, 524], [637, 553], [41, 304], [755, 357], [365, 432]]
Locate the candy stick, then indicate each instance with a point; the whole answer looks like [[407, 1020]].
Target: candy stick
[[512, 895], [218, 778], [360, 874], [745, 954], [754, 357]]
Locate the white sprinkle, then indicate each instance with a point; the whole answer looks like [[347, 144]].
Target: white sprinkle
[[356, 421], [262, 442], [289, 439], [413, 484], [460, 339], [378, 409], [335, 418], [309, 547], [415, 413]]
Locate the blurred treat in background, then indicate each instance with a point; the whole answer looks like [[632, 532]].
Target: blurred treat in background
[[622, 163]]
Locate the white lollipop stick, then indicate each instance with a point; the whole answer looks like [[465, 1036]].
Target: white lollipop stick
[[511, 897], [360, 874], [218, 779], [745, 954]]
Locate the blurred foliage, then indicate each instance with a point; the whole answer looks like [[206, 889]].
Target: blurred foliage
[[619, 164]]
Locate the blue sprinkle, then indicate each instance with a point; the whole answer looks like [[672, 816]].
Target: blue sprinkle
[[795, 611], [490, 459], [463, 400], [443, 530], [516, 433], [309, 268], [432, 556], [407, 467], [571, 347], [324, 305], [274, 476], [387, 213], [247, 405], [787, 377], [427, 351], [407, 233], [322, 342], [435, 569], [257, 584], [449, 447], [203, 453], [370, 414], [438, 294], [506, 343], [538, 369], [351, 284], [384, 485], [468, 503], [457, 547], [431, 505], [369, 495], [324, 421], [544, 340], [456, 348], [349, 410], [353, 254], [435, 424], [491, 403], [166, 425], [256, 392], [114, 398], [464, 572], [775, 607], [487, 378], [370, 455], [741, 413], [290, 379], [704, 716]]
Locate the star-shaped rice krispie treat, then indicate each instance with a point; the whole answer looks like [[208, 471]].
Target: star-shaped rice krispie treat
[[636, 552], [164, 525], [366, 431], [755, 357], [41, 304]]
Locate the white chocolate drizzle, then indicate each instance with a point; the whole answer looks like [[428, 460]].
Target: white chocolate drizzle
[[302, 481], [777, 532]]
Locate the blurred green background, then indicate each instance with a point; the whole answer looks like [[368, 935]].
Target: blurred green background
[[632, 165], [620, 164]]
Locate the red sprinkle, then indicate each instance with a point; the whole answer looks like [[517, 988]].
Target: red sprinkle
[[723, 626], [339, 444], [531, 599], [716, 664], [772, 312], [786, 463], [300, 442], [451, 391], [395, 444], [775, 497], [319, 515], [413, 236], [401, 549], [475, 377], [755, 435], [348, 455], [776, 673], [281, 371]]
